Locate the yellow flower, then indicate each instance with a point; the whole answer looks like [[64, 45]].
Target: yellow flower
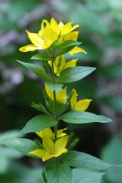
[[50, 148], [61, 29], [60, 64], [51, 32], [41, 40], [48, 132], [60, 95], [81, 105]]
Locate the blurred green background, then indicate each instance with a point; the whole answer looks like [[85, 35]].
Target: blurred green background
[[101, 35]]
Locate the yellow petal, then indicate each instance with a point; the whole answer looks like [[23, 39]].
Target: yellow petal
[[60, 132], [58, 153], [35, 39], [75, 26], [48, 156], [46, 132], [73, 99], [71, 36], [61, 95], [61, 143], [27, 48], [82, 105], [54, 26], [76, 50], [43, 25], [38, 152], [66, 28], [71, 63], [49, 35], [49, 92], [48, 144], [60, 64]]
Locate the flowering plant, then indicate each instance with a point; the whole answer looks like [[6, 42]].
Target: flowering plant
[[54, 145]]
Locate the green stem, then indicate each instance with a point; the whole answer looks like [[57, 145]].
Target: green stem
[[55, 104]]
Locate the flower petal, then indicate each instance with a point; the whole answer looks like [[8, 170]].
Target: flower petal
[[76, 50], [39, 153], [54, 26], [66, 28], [61, 95], [49, 92], [35, 39], [63, 150], [82, 105], [71, 36], [27, 48], [73, 99], [48, 144], [71, 63], [61, 143], [46, 132], [60, 133]]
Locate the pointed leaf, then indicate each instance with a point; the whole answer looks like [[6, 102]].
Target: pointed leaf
[[83, 160], [79, 117], [39, 123], [58, 172], [20, 144], [66, 44], [38, 70], [73, 74], [41, 56], [39, 107], [10, 134], [85, 176], [64, 50]]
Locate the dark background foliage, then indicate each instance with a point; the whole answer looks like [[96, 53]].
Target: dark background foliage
[[100, 33]]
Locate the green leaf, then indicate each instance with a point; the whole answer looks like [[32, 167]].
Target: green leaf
[[38, 70], [41, 56], [9, 134], [85, 176], [73, 74], [20, 144], [9, 153], [64, 50], [39, 123], [54, 86], [66, 44], [83, 160], [4, 162], [79, 117], [19, 173], [39, 107], [58, 172]]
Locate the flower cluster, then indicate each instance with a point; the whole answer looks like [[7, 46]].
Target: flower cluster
[[50, 147], [61, 97], [60, 64], [52, 34], [53, 41]]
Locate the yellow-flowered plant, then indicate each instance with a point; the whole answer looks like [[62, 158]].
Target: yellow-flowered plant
[[53, 145], [60, 96], [50, 33], [50, 147], [49, 133], [81, 105], [60, 64]]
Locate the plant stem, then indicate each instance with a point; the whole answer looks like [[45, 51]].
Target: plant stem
[[55, 104]]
